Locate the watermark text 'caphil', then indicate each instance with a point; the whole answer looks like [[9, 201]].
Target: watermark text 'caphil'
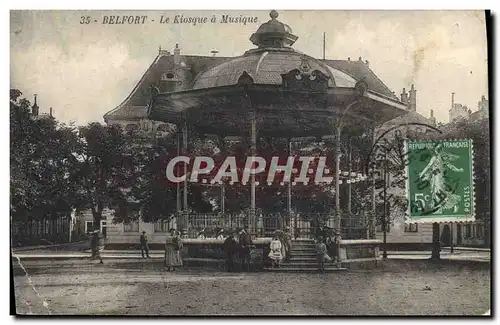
[[253, 166]]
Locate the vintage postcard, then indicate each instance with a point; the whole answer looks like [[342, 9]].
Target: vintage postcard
[[276, 162]]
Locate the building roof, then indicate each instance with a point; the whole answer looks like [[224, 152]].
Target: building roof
[[135, 105], [360, 70]]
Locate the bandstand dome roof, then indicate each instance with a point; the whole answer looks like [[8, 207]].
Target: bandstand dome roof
[[266, 67], [266, 64], [205, 81]]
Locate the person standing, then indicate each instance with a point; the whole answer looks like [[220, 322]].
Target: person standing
[[144, 245], [322, 254], [96, 246], [245, 242], [173, 246], [230, 250], [275, 253]]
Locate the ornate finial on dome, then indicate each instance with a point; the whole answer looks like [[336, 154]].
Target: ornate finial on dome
[[273, 34]]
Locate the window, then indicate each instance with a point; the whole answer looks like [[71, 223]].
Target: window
[[479, 231], [162, 226], [89, 226], [413, 227], [132, 226], [468, 231], [167, 76]]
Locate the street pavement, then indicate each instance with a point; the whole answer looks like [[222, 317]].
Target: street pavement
[[472, 254], [144, 287]]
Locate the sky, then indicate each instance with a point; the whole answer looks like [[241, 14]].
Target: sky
[[83, 71]]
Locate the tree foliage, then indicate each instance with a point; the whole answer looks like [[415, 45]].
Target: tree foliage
[[41, 163]]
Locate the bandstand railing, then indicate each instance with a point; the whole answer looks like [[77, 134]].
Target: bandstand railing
[[300, 226]]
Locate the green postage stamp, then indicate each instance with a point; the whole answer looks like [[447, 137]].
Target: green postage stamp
[[440, 183]]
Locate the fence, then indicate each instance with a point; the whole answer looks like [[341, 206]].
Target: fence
[[45, 231], [301, 226]]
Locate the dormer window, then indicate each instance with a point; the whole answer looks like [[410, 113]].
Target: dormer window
[[168, 76]]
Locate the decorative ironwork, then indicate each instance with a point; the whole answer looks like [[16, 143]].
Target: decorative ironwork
[[301, 79], [305, 66]]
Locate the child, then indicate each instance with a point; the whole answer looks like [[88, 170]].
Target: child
[[275, 253], [322, 254], [96, 246]]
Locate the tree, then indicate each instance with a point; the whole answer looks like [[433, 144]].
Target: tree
[[42, 159], [105, 171]]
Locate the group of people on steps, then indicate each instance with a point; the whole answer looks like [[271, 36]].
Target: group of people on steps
[[278, 248]]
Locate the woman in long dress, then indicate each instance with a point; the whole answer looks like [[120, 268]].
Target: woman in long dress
[[173, 246], [275, 251]]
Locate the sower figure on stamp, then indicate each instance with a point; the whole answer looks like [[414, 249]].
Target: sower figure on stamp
[[173, 246], [144, 245], [96, 245]]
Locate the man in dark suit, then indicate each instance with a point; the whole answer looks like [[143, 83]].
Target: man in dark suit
[[144, 245], [245, 241], [230, 250]]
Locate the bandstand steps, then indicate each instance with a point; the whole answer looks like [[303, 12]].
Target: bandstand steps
[[303, 251], [302, 264], [308, 245], [302, 256], [304, 269], [302, 259]]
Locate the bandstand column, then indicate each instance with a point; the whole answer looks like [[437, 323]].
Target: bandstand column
[[372, 232], [222, 198], [178, 221], [185, 211], [349, 187], [289, 193], [337, 194], [253, 149]]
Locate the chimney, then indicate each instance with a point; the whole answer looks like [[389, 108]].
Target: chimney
[[413, 99], [163, 51], [349, 59], [367, 63], [432, 118], [360, 59], [214, 52], [177, 55], [452, 100], [50, 112], [35, 108], [404, 96]]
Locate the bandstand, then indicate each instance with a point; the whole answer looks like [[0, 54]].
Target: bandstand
[[275, 91]]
